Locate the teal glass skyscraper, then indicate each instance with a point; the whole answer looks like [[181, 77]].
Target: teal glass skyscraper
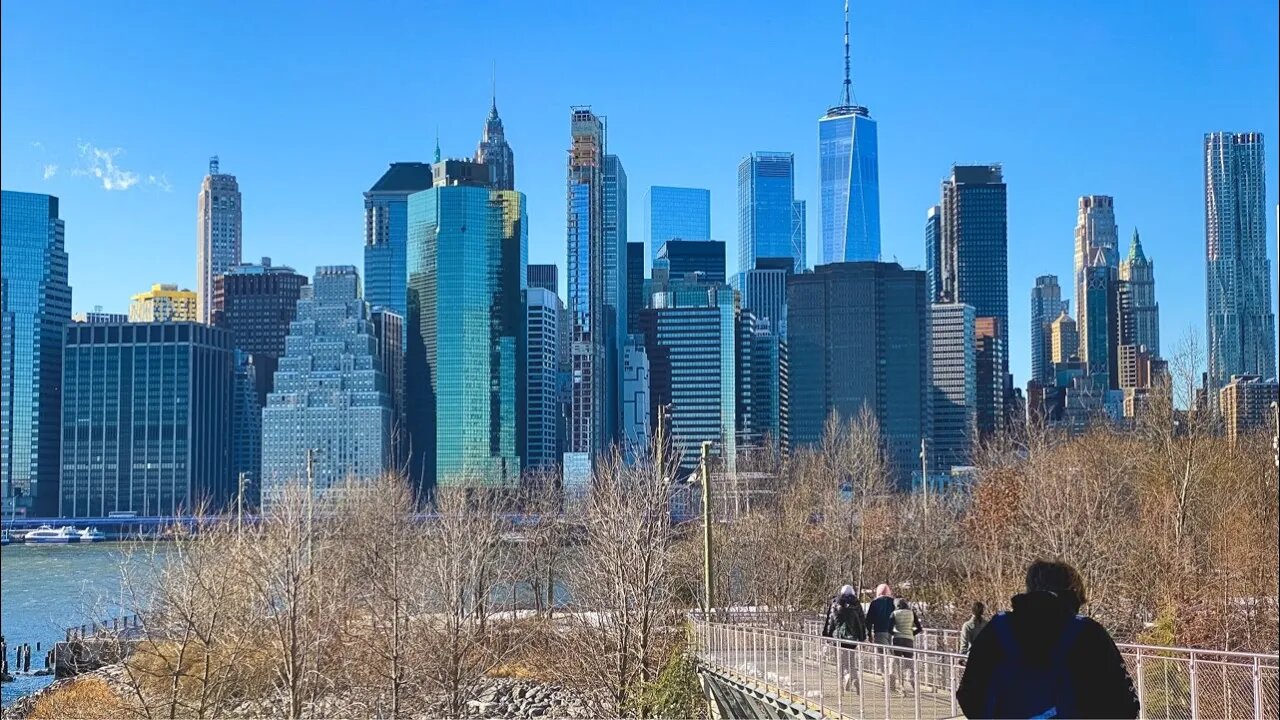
[[465, 334], [36, 304], [849, 177], [767, 210], [677, 213], [386, 232]]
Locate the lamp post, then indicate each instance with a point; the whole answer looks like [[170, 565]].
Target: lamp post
[[708, 566], [244, 480]]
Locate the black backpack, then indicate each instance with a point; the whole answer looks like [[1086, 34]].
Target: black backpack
[[1021, 690]]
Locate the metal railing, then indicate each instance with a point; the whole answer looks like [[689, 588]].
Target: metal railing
[[1172, 683]]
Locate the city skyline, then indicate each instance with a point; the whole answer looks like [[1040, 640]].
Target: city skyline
[[1043, 184]]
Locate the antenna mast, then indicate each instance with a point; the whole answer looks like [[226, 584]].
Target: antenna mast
[[847, 82]]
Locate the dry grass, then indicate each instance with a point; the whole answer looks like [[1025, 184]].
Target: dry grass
[[85, 698]]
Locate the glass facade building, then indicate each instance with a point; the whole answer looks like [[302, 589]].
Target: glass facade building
[[1096, 232], [849, 185], [1240, 324], [954, 381], [694, 256], [146, 419], [588, 305], [858, 336], [246, 424], [767, 210], [219, 233], [330, 400], [1046, 305], [386, 233], [762, 386], [933, 252], [35, 308], [677, 213], [467, 250], [544, 276], [764, 293], [542, 436]]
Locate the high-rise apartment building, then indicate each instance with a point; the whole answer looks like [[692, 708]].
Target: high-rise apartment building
[[989, 358], [164, 302], [975, 246], [1064, 340], [954, 380], [1097, 242], [544, 276], [764, 293], [933, 251], [1139, 311], [330, 410], [495, 153], [219, 234], [677, 213], [35, 307], [850, 176], [767, 209], [1246, 404], [1046, 305], [615, 288], [857, 336], [588, 305], [467, 250], [694, 256], [1241, 327], [1098, 316], [146, 419], [257, 303], [542, 436], [691, 345], [386, 233]]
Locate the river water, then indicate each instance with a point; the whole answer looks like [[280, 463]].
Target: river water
[[45, 589]]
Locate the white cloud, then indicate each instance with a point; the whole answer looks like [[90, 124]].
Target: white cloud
[[101, 164], [50, 171], [37, 145], [160, 181]]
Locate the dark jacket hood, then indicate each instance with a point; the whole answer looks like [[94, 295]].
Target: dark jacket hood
[[1038, 620]]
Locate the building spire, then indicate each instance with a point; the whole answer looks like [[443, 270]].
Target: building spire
[[437, 143], [848, 84], [493, 90], [213, 165]]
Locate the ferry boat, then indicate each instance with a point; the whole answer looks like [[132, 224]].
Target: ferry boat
[[48, 535], [89, 535]]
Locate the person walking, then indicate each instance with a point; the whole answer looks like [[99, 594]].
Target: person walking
[[846, 623], [972, 627], [1043, 660], [906, 626], [880, 624]]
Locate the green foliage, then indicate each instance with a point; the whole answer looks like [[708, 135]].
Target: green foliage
[[675, 693]]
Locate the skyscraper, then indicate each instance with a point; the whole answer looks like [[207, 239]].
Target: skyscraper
[[677, 212], [542, 436], [989, 359], [544, 276], [465, 328], [849, 175], [635, 284], [587, 269], [219, 233], [1064, 340], [700, 256], [1046, 305], [389, 335], [763, 384], [246, 423], [635, 397], [386, 232], [1245, 403], [1241, 327], [1098, 317], [857, 336], [767, 209], [330, 404], [1095, 232], [147, 419], [35, 307], [954, 379], [164, 302], [494, 152], [933, 251], [764, 293], [975, 245], [800, 233], [257, 303], [615, 289], [1139, 311]]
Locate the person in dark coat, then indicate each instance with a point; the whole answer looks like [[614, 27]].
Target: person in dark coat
[[880, 623], [1043, 660], [845, 621]]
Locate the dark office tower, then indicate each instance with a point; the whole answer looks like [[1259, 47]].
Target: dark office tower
[[615, 288], [126, 445], [764, 293], [1241, 327], [246, 425], [690, 256], [1098, 314], [587, 267], [464, 395], [635, 285], [1046, 305], [386, 232], [35, 308], [257, 303], [857, 336], [933, 251], [389, 334], [1139, 311], [219, 233], [953, 360], [989, 358], [495, 153], [544, 276], [975, 244], [762, 385]]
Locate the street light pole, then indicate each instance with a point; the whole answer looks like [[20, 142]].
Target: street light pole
[[311, 496], [924, 474], [708, 566], [240, 507]]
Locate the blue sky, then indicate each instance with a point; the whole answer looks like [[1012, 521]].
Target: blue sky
[[306, 104]]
